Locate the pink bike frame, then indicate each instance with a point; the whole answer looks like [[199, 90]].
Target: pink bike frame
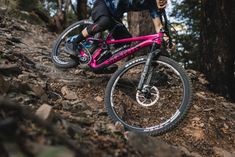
[[146, 41]]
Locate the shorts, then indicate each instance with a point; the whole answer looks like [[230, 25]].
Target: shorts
[[99, 9]]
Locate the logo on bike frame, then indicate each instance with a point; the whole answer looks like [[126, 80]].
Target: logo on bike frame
[[123, 54]]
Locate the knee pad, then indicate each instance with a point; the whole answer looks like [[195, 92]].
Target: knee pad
[[101, 24], [94, 28]]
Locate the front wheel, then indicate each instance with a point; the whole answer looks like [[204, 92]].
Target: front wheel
[[162, 103]]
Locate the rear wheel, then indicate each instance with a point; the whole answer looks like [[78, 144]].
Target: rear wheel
[[59, 57], [156, 109]]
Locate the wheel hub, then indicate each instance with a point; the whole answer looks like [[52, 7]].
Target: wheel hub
[[148, 97]]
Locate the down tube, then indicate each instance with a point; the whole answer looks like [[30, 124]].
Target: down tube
[[119, 56]]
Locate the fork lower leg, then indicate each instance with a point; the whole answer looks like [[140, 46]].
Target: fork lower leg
[[146, 71]]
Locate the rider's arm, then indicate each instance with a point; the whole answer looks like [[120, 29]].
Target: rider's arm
[[155, 14], [157, 24]]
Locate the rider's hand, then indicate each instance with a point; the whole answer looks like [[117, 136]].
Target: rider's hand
[[171, 46]]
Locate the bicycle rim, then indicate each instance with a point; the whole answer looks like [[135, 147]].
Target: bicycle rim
[[59, 56], [152, 113]]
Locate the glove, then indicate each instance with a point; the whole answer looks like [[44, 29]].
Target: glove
[[161, 4]]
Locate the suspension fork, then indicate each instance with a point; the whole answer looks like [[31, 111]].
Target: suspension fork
[[148, 69]]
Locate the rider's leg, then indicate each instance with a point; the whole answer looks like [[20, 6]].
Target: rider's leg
[[100, 15], [121, 32], [101, 24]]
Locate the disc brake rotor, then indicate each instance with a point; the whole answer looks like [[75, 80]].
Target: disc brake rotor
[[148, 98]]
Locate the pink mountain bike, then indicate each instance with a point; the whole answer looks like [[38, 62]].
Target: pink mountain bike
[[149, 95]]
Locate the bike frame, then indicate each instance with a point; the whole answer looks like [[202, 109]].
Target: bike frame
[[146, 41]]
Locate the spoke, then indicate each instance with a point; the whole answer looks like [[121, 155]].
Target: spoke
[[141, 96], [144, 100], [155, 94]]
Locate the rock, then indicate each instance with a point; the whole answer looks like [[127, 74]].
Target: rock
[[75, 106], [220, 152], [209, 109], [99, 99], [102, 112], [226, 126], [202, 80], [228, 105], [187, 152], [201, 124], [4, 85], [54, 96], [201, 95], [233, 116], [80, 105], [196, 119], [211, 119], [42, 150], [119, 127], [66, 105], [74, 130], [195, 131], [45, 112], [88, 112], [111, 127], [44, 98], [19, 27], [85, 121], [7, 68], [150, 146], [68, 94], [222, 118], [78, 71], [38, 90], [23, 77], [196, 107], [100, 127], [15, 40]]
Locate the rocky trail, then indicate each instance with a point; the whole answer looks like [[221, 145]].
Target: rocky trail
[[71, 104]]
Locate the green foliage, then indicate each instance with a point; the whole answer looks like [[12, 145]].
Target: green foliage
[[187, 14]]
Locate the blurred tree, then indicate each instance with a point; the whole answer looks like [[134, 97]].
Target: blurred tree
[[207, 42], [59, 20], [217, 57], [82, 11], [54, 13], [140, 23]]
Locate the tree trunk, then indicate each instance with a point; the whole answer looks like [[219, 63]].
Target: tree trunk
[[216, 60], [82, 11], [59, 20], [140, 23]]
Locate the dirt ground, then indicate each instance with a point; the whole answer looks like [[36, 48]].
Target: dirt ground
[[29, 77]]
